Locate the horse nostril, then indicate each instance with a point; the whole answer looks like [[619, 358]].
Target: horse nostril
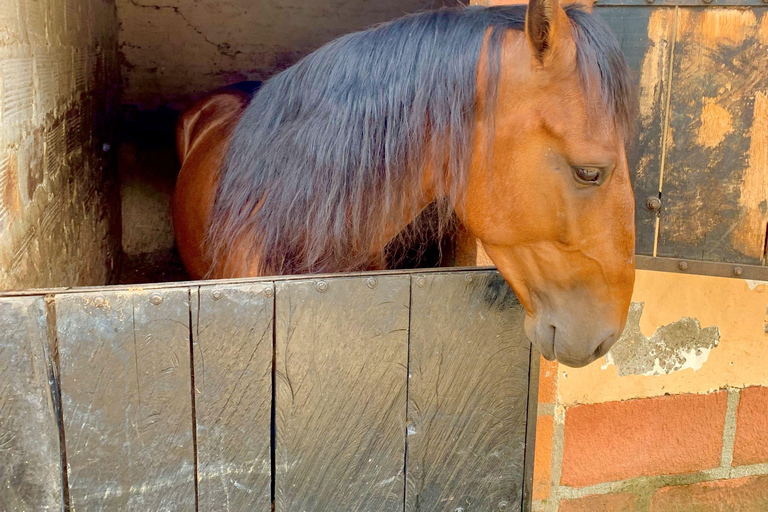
[[603, 347]]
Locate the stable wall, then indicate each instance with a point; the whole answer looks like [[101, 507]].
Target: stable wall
[[68, 215], [59, 222], [174, 49], [674, 418]]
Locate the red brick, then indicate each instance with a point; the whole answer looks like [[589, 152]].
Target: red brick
[[542, 464], [654, 436], [751, 443], [741, 495], [624, 502], [547, 381]]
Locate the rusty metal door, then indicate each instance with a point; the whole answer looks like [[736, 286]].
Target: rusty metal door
[[372, 392], [700, 157]]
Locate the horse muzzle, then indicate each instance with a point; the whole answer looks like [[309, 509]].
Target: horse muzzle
[[574, 336]]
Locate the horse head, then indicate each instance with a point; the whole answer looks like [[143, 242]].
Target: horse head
[[551, 202]]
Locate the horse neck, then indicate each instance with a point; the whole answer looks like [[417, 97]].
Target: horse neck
[[415, 201]]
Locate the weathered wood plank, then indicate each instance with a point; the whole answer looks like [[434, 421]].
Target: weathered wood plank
[[30, 464], [715, 189], [468, 394], [646, 39], [232, 345], [341, 376], [530, 431], [126, 399]]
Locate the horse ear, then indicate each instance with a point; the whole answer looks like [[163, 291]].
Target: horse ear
[[545, 25]]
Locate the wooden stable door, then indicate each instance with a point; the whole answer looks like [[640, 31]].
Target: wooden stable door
[[376, 392]]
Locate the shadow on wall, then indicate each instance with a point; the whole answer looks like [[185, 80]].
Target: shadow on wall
[[171, 51], [147, 167]]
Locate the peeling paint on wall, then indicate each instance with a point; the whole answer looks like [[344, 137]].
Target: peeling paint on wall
[[654, 63], [754, 284], [717, 138], [716, 123], [663, 300], [673, 347], [750, 233]]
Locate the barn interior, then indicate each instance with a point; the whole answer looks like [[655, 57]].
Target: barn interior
[[90, 91]]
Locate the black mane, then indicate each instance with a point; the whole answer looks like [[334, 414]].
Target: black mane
[[332, 150]]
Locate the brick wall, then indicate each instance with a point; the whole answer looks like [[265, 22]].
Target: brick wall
[[673, 453], [58, 85], [614, 437]]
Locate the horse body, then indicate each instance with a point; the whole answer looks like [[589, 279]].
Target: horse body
[[201, 137], [522, 137]]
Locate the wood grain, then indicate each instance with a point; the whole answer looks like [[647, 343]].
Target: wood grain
[[468, 394], [126, 399], [30, 464], [232, 345], [341, 374]]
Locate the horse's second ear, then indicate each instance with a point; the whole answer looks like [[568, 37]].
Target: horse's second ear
[[545, 23]]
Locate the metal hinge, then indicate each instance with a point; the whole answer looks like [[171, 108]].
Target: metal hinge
[[705, 268]]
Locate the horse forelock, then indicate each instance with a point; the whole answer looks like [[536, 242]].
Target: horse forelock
[[331, 153], [603, 69]]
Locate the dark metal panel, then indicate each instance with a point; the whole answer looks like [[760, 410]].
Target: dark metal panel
[[645, 36], [341, 375], [126, 399], [30, 465], [705, 268], [232, 344], [467, 396], [530, 432], [714, 187]]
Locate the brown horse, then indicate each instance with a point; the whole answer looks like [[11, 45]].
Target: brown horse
[[512, 119]]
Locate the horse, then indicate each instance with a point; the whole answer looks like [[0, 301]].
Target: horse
[[512, 119]]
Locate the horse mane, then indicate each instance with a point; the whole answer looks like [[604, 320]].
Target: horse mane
[[331, 151]]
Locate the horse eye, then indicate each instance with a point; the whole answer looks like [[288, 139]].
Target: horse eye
[[588, 175]]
